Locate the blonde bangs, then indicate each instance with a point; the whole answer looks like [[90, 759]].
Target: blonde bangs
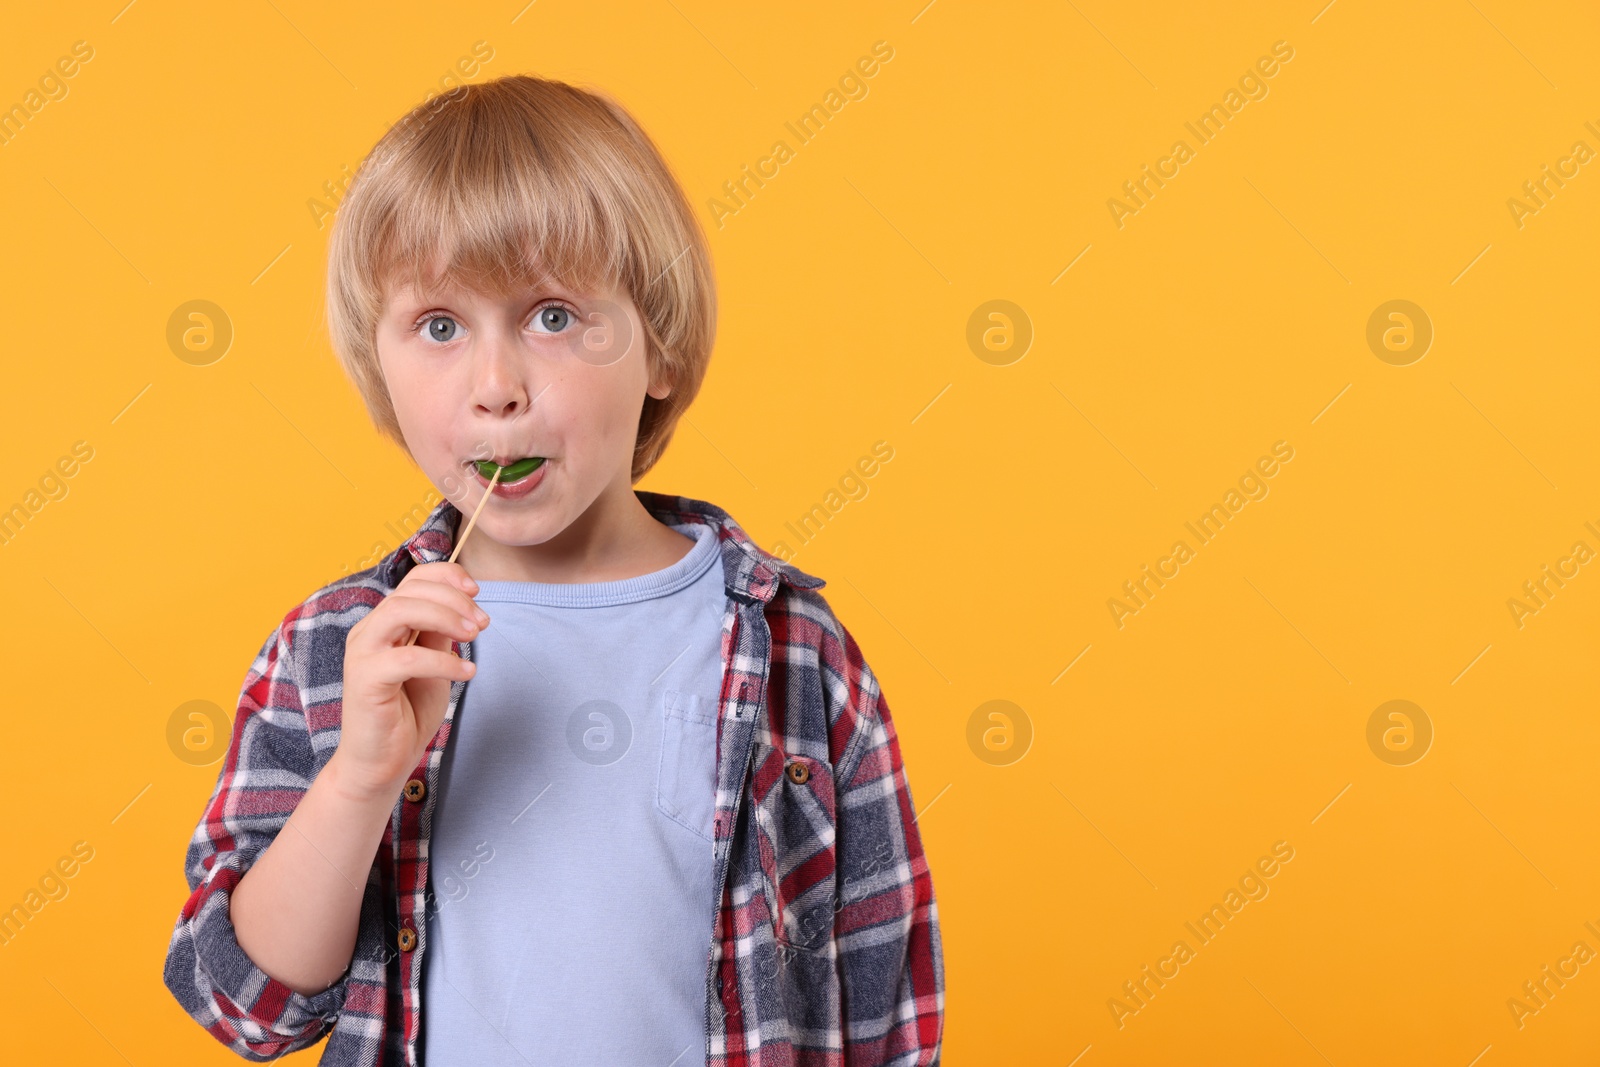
[[500, 186]]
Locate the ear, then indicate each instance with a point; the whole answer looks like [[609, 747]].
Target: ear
[[661, 383]]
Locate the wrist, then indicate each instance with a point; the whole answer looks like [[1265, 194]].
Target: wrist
[[357, 788]]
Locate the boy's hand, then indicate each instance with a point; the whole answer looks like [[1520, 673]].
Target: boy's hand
[[394, 694]]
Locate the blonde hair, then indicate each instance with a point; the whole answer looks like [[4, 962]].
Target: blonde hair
[[509, 182]]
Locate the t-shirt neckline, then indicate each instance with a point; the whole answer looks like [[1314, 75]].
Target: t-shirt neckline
[[658, 583]]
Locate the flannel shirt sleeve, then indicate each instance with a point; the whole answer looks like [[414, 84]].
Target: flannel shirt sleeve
[[886, 926], [268, 767]]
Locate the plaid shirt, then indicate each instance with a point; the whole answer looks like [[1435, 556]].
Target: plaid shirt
[[824, 948]]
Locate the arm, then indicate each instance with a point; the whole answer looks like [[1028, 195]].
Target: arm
[[886, 929], [303, 899], [309, 886], [296, 910]]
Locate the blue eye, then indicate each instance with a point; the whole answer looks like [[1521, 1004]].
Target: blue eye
[[441, 328], [553, 316]]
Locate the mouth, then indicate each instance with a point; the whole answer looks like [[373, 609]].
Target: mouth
[[510, 473]]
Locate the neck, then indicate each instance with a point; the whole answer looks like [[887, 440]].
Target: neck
[[615, 538]]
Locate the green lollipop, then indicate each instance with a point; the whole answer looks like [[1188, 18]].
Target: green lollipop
[[512, 472]]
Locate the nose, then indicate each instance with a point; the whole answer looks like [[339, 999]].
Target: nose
[[500, 386]]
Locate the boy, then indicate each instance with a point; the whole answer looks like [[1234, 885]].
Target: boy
[[674, 827]]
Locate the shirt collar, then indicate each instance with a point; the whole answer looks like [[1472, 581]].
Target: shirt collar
[[751, 572]]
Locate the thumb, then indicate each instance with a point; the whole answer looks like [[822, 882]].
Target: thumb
[[430, 696]]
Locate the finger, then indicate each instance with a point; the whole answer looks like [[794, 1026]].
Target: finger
[[392, 621], [442, 572], [396, 666], [443, 593], [430, 699]]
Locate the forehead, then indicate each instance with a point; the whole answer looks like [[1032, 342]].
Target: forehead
[[440, 280]]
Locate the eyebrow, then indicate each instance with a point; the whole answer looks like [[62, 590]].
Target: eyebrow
[[404, 297]]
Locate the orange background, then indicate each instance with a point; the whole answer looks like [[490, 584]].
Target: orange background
[[1121, 798]]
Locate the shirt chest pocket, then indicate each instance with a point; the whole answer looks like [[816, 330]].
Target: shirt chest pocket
[[796, 824], [686, 776]]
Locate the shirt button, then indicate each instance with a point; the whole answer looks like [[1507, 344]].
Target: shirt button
[[408, 939], [415, 788], [798, 773]]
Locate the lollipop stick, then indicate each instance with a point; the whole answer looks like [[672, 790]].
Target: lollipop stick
[[463, 538]]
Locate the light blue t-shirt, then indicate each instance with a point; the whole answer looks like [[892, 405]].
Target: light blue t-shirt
[[571, 910]]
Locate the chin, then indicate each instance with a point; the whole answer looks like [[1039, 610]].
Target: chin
[[520, 531]]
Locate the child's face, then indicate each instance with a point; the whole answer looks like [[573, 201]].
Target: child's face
[[545, 372]]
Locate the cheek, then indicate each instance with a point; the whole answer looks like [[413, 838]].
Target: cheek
[[413, 392], [410, 402], [393, 380], [424, 410], [603, 404]]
